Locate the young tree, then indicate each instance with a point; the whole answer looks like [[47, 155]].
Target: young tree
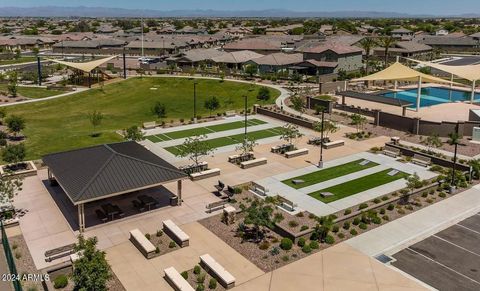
[[14, 153], [328, 127], [367, 44], [298, 103], [263, 94], [212, 104], [12, 83], [159, 110], [358, 120], [195, 148], [17, 53], [259, 217], [454, 139], [95, 118], [246, 146], [251, 70], [15, 124], [323, 228], [91, 271], [433, 141], [9, 187], [413, 182], [290, 133], [134, 133]]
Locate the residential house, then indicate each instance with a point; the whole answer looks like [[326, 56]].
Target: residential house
[[194, 58], [406, 49], [348, 58], [276, 62], [235, 60], [282, 30], [451, 44], [402, 33]]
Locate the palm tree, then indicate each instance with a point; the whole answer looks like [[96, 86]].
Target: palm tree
[[367, 45], [475, 166], [386, 42], [454, 139]]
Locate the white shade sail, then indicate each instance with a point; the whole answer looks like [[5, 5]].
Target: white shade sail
[[86, 66]]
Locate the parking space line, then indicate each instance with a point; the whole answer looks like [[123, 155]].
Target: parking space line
[[472, 230], [446, 267], [454, 244]]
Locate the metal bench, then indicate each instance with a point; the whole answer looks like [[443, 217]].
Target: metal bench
[[391, 151], [216, 206], [421, 160]]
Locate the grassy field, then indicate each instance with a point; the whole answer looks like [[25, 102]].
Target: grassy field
[[233, 139], [358, 185], [18, 61], [203, 130], [63, 124], [329, 173], [32, 92]]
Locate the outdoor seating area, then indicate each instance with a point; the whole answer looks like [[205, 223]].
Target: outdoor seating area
[[190, 169], [236, 159], [111, 211], [296, 153], [318, 140], [281, 149]]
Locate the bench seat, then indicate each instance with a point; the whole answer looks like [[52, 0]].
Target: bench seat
[[296, 153], [253, 163], [149, 125], [215, 269], [230, 113], [421, 160], [176, 280], [205, 174], [180, 237], [333, 144], [391, 152], [142, 243]]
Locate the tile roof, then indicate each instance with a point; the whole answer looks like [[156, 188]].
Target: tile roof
[[237, 57], [279, 59], [97, 172]]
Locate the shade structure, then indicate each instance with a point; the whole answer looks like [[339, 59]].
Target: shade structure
[[399, 72], [86, 67]]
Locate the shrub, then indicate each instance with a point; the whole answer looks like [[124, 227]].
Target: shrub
[[159, 233], [314, 245], [147, 235], [335, 228], [390, 207], [18, 255], [197, 269], [200, 287], [442, 195], [14, 246], [376, 200], [304, 227], [347, 211], [285, 258], [201, 278], [401, 211], [212, 284], [171, 244], [286, 244], [362, 206], [424, 194], [382, 211], [60, 282], [386, 218], [292, 223], [307, 249], [429, 200], [300, 214], [376, 220], [312, 216], [346, 225], [237, 190], [274, 251], [356, 221], [184, 275], [264, 245], [278, 217], [385, 198], [301, 242], [329, 240], [340, 235], [362, 226], [157, 250], [353, 232]]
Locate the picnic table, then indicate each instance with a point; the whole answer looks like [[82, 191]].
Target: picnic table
[[147, 200], [110, 210]]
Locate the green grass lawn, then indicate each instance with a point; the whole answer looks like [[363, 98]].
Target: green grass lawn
[[62, 124], [18, 61], [32, 92], [358, 185], [203, 130], [329, 173], [233, 139]]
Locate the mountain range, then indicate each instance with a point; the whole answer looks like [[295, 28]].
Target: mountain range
[[82, 11]]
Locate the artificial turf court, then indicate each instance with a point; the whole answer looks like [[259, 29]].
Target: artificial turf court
[[203, 130], [233, 139], [62, 124], [329, 173], [358, 185]]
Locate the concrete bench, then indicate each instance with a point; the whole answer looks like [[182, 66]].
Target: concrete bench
[[142, 243], [216, 206], [333, 144], [149, 125], [230, 113], [253, 163], [421, 160], [176, 280], [205, 174], [172, 230], [296, 153], [216, 270], [391, 151]]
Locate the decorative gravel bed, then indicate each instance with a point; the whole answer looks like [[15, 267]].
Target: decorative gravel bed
[[24, 262], [202, 278], [163, 242]]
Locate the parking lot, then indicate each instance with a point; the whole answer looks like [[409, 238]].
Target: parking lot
[[447, 260]]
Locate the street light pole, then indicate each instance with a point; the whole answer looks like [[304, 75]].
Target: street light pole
[[320, 162], [245, 113], [195, 102]]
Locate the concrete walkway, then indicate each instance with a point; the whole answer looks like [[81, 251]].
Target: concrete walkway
[[79, 89], [403, 232]]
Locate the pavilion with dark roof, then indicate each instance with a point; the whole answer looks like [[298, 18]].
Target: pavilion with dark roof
[[110, 170]]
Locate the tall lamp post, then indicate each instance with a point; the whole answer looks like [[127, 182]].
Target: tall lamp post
[[195, 102], [245, 113], [320, 162]]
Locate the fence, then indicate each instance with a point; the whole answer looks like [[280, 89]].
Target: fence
[[10, 260]]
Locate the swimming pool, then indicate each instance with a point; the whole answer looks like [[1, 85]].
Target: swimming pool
[[432, 96]]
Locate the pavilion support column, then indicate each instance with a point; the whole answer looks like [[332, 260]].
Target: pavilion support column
[[472, 98], [419, 92], [179, 192], [451, 86], [81, 217], [395, 85]]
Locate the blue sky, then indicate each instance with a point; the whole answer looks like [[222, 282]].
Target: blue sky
[[406, 6]]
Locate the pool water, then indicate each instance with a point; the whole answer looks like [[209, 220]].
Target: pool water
[[432, 96]]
